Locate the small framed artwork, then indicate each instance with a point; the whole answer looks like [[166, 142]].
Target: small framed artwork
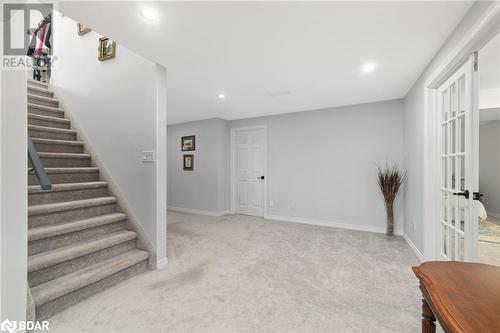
[[188, 162], [81, 29], [187, 143], [107, 48]]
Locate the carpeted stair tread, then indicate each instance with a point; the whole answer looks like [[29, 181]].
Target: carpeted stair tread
[[72, 170], [68, 187], [48, 118], [64, 285], [75, 226], [63, 155], [69, 205], [38, 83], [44, 107], [51, 129], [43, 98], [57, 142], [66, 253], [39, 88]]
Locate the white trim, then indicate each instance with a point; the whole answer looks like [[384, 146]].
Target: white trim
[[161, 164], [493, 214], [232, 182], [485, 28], [161, 264], [325, 223], [419, 254], [197, 211]]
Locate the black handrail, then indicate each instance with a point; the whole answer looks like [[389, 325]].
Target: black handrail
[[43, 179]]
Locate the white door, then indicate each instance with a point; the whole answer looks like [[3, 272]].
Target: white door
[[458, 212], [249, 171]]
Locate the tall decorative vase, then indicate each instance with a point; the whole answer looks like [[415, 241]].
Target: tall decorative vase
[[390, 180], [390, 219]]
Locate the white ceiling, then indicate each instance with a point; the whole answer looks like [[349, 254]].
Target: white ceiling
[[277, 57], [489, 64]]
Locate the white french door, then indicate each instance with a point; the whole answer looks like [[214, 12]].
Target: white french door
[[249, 169], [458, 213]]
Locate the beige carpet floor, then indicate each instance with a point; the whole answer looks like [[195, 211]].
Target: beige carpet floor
[[246, 274]]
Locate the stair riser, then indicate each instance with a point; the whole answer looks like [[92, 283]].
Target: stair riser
[[51, 243], [61, 196], [48, 123], [64, 178], [51, 135], [50, 162], [36, 85], [70, 215], [47, 310], [58, 148], [67, 267], [43, 112], [33, 100], [44, 93]]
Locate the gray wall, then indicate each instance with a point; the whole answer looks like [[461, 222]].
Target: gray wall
[[117, 106], [204, 188], [322, 164], [489, 165], [414, 126]]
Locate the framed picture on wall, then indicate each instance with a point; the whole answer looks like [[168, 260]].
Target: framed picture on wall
[[81, 29], [187, 143], [107, 49], [188, 162]]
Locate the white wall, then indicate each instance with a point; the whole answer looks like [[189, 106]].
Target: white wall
[[415, 135], [13, 195], [322, 164], [204, 188], [115, 104], [489, 98], [489, 165]]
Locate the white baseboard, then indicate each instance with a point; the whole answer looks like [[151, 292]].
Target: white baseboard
[[413, 247], [325, 223], [197, 211], [161, 264], [495, 215]]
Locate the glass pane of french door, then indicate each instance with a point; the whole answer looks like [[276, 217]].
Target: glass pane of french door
[[454, 107]]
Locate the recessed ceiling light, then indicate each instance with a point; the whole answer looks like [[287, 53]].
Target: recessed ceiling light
[[222, 96], [148, 13], [369, 67]]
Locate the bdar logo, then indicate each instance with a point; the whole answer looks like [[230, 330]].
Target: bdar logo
[[8, 326]]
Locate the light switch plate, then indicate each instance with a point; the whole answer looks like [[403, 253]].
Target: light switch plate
[[148, 156]]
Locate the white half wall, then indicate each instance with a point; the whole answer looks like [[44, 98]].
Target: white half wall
[[13, 195], [119, 106], [489, 165], [205, 188], [322, 165]]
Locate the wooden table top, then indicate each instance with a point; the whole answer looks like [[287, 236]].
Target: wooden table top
[[465, 297]]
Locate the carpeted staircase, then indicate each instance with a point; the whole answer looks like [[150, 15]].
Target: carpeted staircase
[[79, 240]]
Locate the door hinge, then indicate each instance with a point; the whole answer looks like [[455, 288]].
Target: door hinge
[[476, 61]]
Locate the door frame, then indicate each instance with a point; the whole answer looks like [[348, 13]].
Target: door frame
[[485, 28], [232, 168]]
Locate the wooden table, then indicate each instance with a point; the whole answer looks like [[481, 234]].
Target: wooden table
[[464, 297]]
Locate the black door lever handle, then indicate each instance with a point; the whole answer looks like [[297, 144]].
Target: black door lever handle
[[463, 194]]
